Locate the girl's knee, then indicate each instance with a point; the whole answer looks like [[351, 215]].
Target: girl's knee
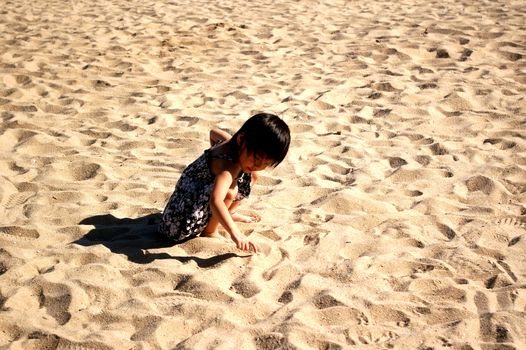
[[231, 195]]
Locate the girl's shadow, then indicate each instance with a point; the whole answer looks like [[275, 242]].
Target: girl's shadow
[[134, 237]]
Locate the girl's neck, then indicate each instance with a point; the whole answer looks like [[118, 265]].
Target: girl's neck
[[228, 148], [232, 149]]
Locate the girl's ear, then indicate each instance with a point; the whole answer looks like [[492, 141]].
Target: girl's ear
[[240, 139]]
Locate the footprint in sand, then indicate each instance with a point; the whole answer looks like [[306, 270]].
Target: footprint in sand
[[446, 231], [19, 232], [18, 199], [387, 314], [323, 301], [438, 150], [511, 56], [413, 193], [518, 222], [501, 144], [82, 171], [202, 290], [270, 341], [286, 297], [423, 159], [245, 287], [396, 162], [56, 298], [480, 183]]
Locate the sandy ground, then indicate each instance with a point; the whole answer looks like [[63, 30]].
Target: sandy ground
[[397, 221]]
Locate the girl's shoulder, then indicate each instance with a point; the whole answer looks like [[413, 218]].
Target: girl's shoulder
[[218, 165], [221, 160]]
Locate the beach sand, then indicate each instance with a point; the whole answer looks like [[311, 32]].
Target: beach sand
[[397, 220]]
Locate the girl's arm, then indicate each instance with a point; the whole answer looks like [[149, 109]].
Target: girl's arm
[[217, 135], [220, 210]]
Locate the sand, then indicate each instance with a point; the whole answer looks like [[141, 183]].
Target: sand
[[397, 221]]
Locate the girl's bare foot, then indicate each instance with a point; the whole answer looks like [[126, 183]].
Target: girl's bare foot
[[213, 234], [251, 217]]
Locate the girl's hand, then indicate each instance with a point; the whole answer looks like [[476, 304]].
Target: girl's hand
[[243, 243], [250, 218]]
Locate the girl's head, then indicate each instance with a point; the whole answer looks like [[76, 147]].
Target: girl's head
[[265, 138]]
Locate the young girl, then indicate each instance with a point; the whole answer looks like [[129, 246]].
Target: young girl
[[209, 190]]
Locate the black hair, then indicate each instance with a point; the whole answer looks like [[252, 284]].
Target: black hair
[[265, 135]]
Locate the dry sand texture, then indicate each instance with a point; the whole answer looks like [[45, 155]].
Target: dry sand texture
[[397, 221]]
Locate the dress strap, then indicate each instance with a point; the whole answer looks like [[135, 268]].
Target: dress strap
[[219, 155]]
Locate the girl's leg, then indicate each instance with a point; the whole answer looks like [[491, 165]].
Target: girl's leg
[[232, 205], [240, 217], [211, 229]]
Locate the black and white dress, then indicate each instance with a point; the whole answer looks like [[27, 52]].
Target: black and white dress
[[188, 210]]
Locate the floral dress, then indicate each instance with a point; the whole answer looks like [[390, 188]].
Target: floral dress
[[188, 210]]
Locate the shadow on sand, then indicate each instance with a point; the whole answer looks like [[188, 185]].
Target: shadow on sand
[[134, 237]]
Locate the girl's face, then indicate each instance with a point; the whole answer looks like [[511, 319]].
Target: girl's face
[[250, 162]]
